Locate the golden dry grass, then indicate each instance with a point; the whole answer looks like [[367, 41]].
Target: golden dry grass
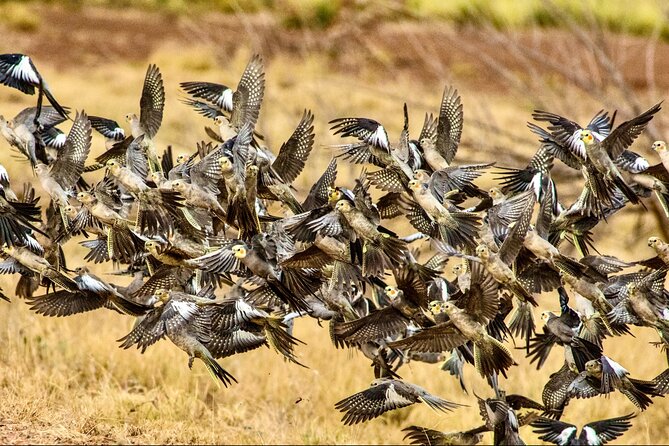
[[66, 381]]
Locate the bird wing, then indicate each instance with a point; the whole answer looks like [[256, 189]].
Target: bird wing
[[557, 432], [449, 125], [152, 102], [439, 338], [373, 402], [216, 94], [107, 127], [147, 332], [67, 169], [318, 194], [65, 303], [17, 71], [375, 326], [624, 135], [293, 153], [607, 430], [482, 299], [366, 130], [247, 99]]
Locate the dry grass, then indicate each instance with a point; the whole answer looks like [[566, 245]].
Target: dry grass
[[65, 380]]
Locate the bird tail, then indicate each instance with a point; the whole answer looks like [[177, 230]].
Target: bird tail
[[491, 356], [639, 392], [625, 189], [280, 340], [295, 301], [59, 108], [522, 323], [215, 370]]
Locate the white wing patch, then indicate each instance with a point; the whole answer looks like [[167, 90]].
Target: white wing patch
[[225, 102], [24, 71], [185, 309], [591, 436], [394, 398], [566, 435], [91, 284], [380, 138]]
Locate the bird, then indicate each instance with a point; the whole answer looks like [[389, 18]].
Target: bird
[[385, 394], [18, 71], [594, 433]]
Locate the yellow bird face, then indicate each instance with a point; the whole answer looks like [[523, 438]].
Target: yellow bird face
[[224, 163], [218, 120], [391, 291], [659, 146], [150, 245], [587, 137], [343, 206], [181, 159], [334, 195], [545, 315], [414, 185], [481, 250], [129, 117], [653, 241], [435, 306], [239, 251], [162, 295]]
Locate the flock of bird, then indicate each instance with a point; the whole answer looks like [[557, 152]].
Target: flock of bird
[[225, 253]]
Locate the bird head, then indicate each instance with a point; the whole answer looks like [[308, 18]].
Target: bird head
[[81, 270], [70, 211], [659, 146], [632, 287], [220, 120], [161, 295], [435, 306], [40, 169], [151, 245], [85, 197], [156, 177], [334, 194], [495, 193], [457, 268], [426, 143], [415, 185], [545, 316], [587, 137], [113, 166], [482, 251], [130, 117], [239, 251], [391, 291], [343, 206], [225, 164], [447, 307], [593, 365], [421, 175], [178, 185], [8, 249], [654, 241], [181, 159], [252, 171]]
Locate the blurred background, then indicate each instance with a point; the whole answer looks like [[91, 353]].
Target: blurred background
[[66, 381]]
